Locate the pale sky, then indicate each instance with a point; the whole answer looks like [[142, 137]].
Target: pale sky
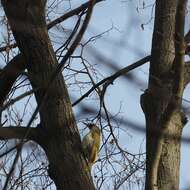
[[126, 43]]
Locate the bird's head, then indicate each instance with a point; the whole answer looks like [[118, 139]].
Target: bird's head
[[94, 129], [91, 125]]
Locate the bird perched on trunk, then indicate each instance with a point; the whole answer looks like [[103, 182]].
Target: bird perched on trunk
[[91, 144]]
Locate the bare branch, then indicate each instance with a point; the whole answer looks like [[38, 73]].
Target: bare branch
[[13, 132], [111, 78], [8, 47], [187, 37], [187, 74], [12, 167], [62, 18], [70, 14], [187, 41], [9, 74], [12, 101], [178, 64]]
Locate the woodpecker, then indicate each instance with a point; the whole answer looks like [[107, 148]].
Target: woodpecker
[[91, 144]]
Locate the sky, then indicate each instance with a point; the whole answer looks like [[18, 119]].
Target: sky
[[128, 41], [132, 41]]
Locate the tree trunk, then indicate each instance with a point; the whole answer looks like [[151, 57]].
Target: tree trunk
[[169, 166], [161, 102], [58, 133]]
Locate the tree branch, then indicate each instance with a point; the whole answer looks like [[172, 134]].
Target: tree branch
[[71, 13], [178, 65], [187, 37], [12, 101], [187, 74], [111, 78], [62, 18], [9, 74], [16, 65], [13, 132]]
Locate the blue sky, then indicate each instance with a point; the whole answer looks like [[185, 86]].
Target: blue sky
[[131, 43], [128, 41]]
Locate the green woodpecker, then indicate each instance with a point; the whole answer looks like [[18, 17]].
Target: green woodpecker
[[91, 144]]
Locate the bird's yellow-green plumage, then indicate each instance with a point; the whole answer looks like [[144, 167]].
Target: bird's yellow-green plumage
[[91, 144]]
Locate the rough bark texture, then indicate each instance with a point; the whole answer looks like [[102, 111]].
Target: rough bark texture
[[58, 133], [161, 102], [169, 167]]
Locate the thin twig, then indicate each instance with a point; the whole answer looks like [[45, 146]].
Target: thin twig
[[111, 78]]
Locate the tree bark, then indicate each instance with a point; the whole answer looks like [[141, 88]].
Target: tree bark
[[161, 102], [9, 74], [58, 133], [169, 165]]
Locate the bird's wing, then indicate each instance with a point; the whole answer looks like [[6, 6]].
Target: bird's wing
[[93, 155], [87, 144]]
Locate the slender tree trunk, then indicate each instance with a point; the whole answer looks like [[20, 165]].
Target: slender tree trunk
[[169, 165], [58, 133], [161, 102]]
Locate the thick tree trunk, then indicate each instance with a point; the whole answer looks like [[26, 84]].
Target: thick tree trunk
[[58, 133], [161, 102]]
